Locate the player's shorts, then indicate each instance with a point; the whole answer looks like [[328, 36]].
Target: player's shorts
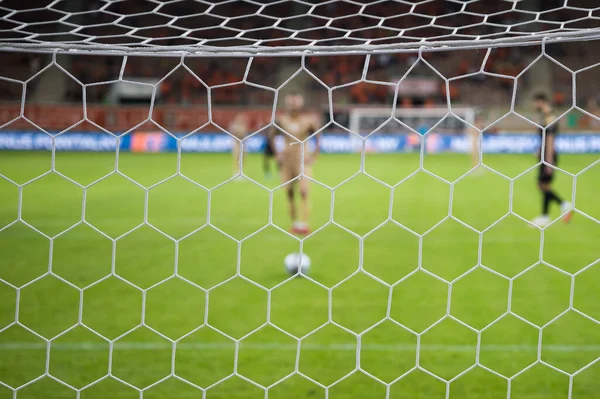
[[545, 177], [269, 150], [290, 169]]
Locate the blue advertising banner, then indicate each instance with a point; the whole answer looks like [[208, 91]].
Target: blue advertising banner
[[330, 143]]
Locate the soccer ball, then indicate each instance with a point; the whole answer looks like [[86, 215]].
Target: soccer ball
[[294, 261]]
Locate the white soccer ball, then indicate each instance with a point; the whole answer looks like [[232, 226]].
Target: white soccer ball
[[295, 261]]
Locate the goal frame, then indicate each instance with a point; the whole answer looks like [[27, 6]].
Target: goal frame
[[467, 114]]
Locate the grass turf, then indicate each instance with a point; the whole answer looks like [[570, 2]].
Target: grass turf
[[143, 288]]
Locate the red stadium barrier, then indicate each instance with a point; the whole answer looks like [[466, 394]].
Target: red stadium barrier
[[120, 119]]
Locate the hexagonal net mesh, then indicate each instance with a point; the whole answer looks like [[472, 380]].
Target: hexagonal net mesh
[[288, 27], [160, 275]]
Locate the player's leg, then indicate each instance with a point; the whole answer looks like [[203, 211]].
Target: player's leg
[[235, 153], [268, 156], [290, 185], [543, 183], [266, 166], [474, 149], [549, 196], [302, 225], [566, 207]]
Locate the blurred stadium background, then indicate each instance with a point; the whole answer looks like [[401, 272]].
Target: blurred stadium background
[[109, 257], [181, 90]]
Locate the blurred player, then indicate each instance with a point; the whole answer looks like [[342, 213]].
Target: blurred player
[[550, 158], [299, 126], [239, 129], [269, 153], [474, 133]]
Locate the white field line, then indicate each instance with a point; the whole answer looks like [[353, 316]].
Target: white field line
[[277, 237], [86, 346]]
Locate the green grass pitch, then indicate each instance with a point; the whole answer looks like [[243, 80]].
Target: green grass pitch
[[413, 292]]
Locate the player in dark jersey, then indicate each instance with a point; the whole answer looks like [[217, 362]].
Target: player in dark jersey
[[549, 158]]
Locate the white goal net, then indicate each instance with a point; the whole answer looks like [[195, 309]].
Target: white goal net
[[446, 198]]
